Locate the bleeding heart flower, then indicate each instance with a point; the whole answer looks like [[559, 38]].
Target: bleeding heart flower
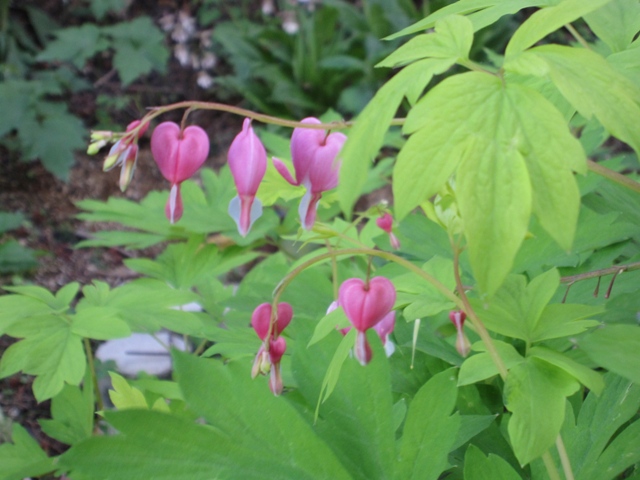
[[277, 348], [366, 304], [463, 345], [261, 319], [313, 153], [125, 153], [386, 223], [248, 163], [269, 359], [179, 155]]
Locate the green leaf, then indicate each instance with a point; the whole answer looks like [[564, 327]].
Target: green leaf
[[481, 12], [593, 455], [139, 48], [53, 353], [10, 221], [502, 169], [470, 426], [588, 377], [481, 366], [535, 393], [73, 44], [53, 140], [23, 458], [421, 297], [548, 20], [72, 411], [564, 319], [327, 324], [519, 310], [16, 258], [239, 405], [430, 429], [15, 309], [147, 305], [616, 348], [356, 421], [125, 396], [367, 135], [451, 40], [593, 87], [616, 23], [493, 467], [99, 323]]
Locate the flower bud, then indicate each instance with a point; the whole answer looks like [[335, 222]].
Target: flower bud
[[247, 160]]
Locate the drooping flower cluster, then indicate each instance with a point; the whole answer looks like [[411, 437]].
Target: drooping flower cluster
[[268, 358], [179, 154], [366, 305]]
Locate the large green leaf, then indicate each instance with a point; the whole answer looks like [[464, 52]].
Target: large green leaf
[[52, 352], [72, 411], [23, 458], [617, 348], [593, 455], [282, 438], [513, 153], [451, 40], [430, 430], [521, 310], [535, 393], [548, 20], [481, 12], [593, 87], [356, 420], [367, 136], [616, 23]]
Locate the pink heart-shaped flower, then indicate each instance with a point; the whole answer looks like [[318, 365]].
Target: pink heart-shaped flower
[[178, 154], [366, 304], [261, 318]]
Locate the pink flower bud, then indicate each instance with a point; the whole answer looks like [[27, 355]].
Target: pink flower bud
[[248, 163], [366, 305], [125, 154], [314, 155], [276, 351], [179, 155], [261, 318], [463, 346], [386, 223]]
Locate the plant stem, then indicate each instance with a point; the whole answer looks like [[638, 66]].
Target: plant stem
[[334, 271], [601, 273], [577, 36], [550, 466], [473, 318], [94, 375], [364, 251], [564, 459], [613, 176]]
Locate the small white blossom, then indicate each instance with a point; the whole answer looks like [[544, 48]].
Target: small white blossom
[[181, 52], [208, 60], [204, 80]]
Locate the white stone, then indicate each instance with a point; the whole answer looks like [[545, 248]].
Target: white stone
[[141, 352]]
